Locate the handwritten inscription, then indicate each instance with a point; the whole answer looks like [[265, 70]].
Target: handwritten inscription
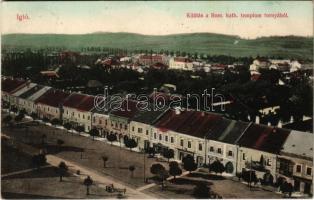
[[22, 17]]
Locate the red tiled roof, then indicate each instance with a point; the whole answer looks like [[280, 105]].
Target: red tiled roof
[[12, 85], [80, 102], [87, 104], [128, 109], [159, 65], [181, 59], [264, 138], [52, 98], [194, 123]]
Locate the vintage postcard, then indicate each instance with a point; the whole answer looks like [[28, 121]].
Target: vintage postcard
[[156, 99]]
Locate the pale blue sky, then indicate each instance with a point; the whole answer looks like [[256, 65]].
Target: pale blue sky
[[156, 18]]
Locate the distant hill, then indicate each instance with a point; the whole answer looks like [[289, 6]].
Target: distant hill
[[209, 43]]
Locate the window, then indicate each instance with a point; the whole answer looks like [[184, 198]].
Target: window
[[120, 125], [116, 125], [160, 137], [219, 150], [72, 113], [100, 121], [147, 132], [139, 130], [172, 140], [243, 156], [230, 153], [48, 108], [211, 149], [125, 127], [298, 169], [94, 119], [200, 147], [79, 115], [133, 128], [88, 118], [56, 110], [67, 112], [166, 138], [84, 116], [189, 144], [268, 162], [309, 171], [181, 143], [155, 136], [106, 122]]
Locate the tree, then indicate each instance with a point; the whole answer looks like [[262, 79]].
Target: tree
[[111, 138], [156, 168], [130, 143], [189, 163], [23, 111], [286, 188], [79, 129], [68, 126], [94, 132], [55, 121], [14, 109], [88, 182], [131, 169], [217, 167], [7, 119], [19, 118], [45, 119], [151, 151], [60, 143], [174, 169], [104, 159], [201, 191], [249, 177], [62, 168], [168, 153], [160, 171], [34, 115], [39, 160]]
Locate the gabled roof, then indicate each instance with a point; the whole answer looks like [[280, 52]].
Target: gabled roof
[[127, 110], [52, 98], [228, 131], [24, 89], [189, 122], [299, 144], [264, 138], [148, 117], [31, 92], [80, 102], [9, 85]]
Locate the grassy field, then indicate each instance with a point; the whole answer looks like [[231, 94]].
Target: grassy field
[[213, 44]]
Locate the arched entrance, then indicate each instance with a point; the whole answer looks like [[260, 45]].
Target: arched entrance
[[229, 167]]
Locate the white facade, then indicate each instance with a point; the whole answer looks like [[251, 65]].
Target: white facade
[[181, 65], [79, 117]]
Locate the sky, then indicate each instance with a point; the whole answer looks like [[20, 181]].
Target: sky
[[157, 18]]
